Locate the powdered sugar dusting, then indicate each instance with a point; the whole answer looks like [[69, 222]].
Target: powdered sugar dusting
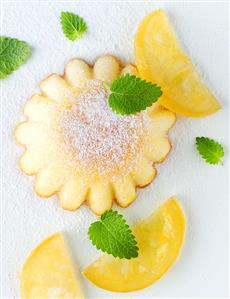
[[98, 139]]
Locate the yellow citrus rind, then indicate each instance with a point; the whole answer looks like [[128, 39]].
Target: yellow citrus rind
[[49, 273], [161, 60], [159, 238]]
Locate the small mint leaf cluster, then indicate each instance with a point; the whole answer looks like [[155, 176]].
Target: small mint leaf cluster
[[73, 26], [130, 94], [210, 150], [112, 235], [13, 53]]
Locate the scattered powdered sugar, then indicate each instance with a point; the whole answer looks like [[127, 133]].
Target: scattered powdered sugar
[[97, 138]]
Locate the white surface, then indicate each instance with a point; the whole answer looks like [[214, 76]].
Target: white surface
[[201, 270]]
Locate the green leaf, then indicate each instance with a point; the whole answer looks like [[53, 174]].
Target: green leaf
[[210, 150], [129, 94], [112, 234], [13, 53], [73, 26]]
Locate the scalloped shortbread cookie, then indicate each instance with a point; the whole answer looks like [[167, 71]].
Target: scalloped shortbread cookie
[[81, 150]]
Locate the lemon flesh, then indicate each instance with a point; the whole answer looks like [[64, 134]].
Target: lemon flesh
[[159, 239], [160, 59], [49, 273]]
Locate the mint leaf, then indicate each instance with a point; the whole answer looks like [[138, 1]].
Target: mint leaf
[[111, 234], [13, 53], [210, 150], [129, 94], [73, 26]]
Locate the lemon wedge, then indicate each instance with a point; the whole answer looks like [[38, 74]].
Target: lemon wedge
[[159, 239], [49, 273], [160, 59]]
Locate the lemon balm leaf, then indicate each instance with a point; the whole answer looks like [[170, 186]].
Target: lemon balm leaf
[[112, 235], [129, 94], [210, 150], [13, 53], [73, 26]]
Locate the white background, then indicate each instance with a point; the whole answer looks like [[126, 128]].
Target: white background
[[201, 270]]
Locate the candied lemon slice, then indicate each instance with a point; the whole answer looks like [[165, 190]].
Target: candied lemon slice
[[160, 59], [159, 239], [49, 273]]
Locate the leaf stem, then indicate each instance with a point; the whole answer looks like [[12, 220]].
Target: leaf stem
[[106, 85]]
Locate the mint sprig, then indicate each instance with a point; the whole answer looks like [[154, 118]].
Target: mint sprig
[[210, 150], [112, 235], [129, 94], [13, 53], [73, 26]]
